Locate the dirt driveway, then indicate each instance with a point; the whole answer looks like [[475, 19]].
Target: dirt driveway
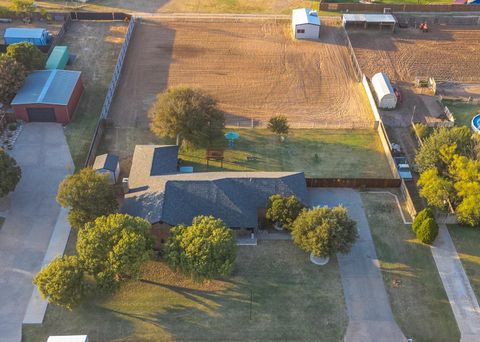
[[31, 213]]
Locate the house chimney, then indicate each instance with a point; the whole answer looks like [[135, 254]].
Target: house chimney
[[125, 186]]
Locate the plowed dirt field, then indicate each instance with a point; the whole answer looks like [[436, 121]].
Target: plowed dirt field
[[445, 53], [254, 69]]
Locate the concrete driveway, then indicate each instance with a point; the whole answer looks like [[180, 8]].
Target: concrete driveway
[[31, 213], [369, 312]]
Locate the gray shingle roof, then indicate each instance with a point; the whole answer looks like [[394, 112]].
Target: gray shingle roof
[[106, 161], [234, 197], [164, 161]]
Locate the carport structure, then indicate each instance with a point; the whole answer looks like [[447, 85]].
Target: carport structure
[[369, 20], [48, 96]]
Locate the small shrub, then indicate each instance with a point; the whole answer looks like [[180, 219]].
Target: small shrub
[[12, 127], [427, 231], [421, 216]]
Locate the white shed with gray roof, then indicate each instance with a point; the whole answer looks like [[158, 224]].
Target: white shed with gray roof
[[305, 24], [109, 164]]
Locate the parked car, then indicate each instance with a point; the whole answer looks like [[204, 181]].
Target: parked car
[[403, 168]]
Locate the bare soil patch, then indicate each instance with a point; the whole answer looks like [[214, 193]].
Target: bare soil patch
[[445, 53], [254, 69], [96, 45]]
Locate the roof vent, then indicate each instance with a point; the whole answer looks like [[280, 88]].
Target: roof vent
[[313, 13]]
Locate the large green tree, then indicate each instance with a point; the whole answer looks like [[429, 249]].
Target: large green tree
[[206, 249], [324, 231], [283, 210], [187, 114], [10, 173], [429, 156], [62, 282], [28, 55], [113, 248], [89, 195], [437, 190], [465, 173], [12, 75]]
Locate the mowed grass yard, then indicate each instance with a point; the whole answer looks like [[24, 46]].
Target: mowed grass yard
[[96, 45], [463, 112], [467, 242], [292, 299], [419, 302], [341, 153]]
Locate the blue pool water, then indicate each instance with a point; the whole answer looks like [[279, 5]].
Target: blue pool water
[[476, 123]]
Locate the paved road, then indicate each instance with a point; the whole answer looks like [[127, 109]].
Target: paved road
[[31, 213], [369, 311], [457, 286]]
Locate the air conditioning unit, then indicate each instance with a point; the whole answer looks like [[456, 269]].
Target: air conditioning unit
[[125, 186], [387, 11]]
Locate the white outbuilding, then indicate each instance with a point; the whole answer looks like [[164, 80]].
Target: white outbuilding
[[386, 97], [305, 23]]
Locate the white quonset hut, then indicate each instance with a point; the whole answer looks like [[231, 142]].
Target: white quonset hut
[[305, 24], [386, 97]]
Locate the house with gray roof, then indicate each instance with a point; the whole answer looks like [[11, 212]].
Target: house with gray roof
[[160, 194]]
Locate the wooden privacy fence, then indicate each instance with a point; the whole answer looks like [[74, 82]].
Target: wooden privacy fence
[[100, 16], [353, 182], [97, 137], [358, 7]]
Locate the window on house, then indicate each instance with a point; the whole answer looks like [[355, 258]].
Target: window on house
[[300, 31]]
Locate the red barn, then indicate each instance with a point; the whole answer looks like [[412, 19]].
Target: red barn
[[48, 96]]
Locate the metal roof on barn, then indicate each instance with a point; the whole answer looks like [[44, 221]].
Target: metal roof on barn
[[302, 16], [53, 87], [22, 32], [369, 18]]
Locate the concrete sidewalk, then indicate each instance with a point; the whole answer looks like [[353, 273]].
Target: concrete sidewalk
[[368, 305], [37, 306], [31, 214], [457, 286]]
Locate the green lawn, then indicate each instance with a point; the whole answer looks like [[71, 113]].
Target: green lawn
[[341, 153], [467, 242], [292, 300], [418, 300], [463, 112], [202, 6]]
